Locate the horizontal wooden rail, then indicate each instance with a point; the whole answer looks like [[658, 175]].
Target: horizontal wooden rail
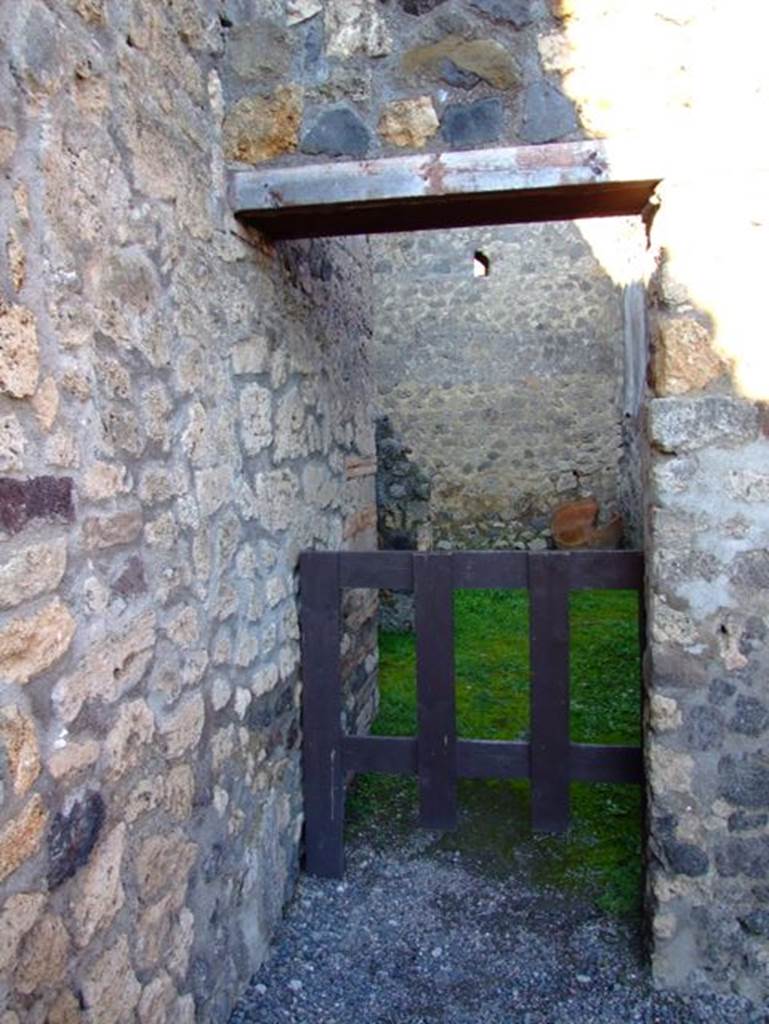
[[492, 759], [489, 570], [388, 755], [386, 570], [492, 570]]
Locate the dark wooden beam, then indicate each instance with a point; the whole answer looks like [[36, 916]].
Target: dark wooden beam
[[521, 184]]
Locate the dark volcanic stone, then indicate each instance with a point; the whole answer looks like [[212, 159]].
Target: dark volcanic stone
[[72, 837], [456, 76], [512, 12], [212, 862], [686, 859], [757, 923], [704, 728], [284, 702], [200, 979], [39, 497], [320, 265], [748, 857], [753, 636], [751, 716], [741, 821], [13, 504], [313, 46], [744, 779], [292, 736], [751, 569], [720, 691], [664, 825], [472, 124], [419, 6], [131, 580], [337, 132], [547, 114]]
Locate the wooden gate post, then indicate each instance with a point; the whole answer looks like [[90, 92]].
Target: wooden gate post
[[436, 720], [550, 748], [322, 702]]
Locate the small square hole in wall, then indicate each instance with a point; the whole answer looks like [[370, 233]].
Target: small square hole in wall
[[481, 264]]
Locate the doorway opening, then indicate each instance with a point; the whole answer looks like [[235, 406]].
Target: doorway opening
[[557, 182], [507, 423]]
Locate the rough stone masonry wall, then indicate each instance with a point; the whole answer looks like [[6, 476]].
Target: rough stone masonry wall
[[313, 79], [182, 410], [507, 388], [708, 603]]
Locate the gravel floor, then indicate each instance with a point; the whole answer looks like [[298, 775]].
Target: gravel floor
[[415, 935]]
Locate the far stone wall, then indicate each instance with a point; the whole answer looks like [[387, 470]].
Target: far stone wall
[[509, 388]]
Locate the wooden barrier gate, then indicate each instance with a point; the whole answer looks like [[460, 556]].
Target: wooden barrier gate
[[550, 760]]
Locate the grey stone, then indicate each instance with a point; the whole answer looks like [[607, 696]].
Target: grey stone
[[512, 12], [744, 779], [703, 728], [472, 124], [741, 821], [259, 51], [38, 53], [751, 716], [751, 569], [338, 132], [547, 113], [685, 424], [748, 857], [313, 47], [686, 858], [456, 76], [72, 837]]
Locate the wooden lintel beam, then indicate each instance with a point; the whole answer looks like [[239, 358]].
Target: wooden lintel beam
[[489, 186]]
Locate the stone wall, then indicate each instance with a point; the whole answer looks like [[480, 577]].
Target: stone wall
[[508, 388], [362, 78], [182, 409], [708, 752]]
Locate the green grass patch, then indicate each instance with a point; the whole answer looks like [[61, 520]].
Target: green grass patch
[[600, 857]]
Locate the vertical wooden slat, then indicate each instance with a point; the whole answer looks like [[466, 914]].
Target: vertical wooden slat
[[322, 707], [642, 648], [549, 646], [437, 756]]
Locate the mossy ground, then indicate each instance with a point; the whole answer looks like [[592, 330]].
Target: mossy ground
[[600, 857]]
